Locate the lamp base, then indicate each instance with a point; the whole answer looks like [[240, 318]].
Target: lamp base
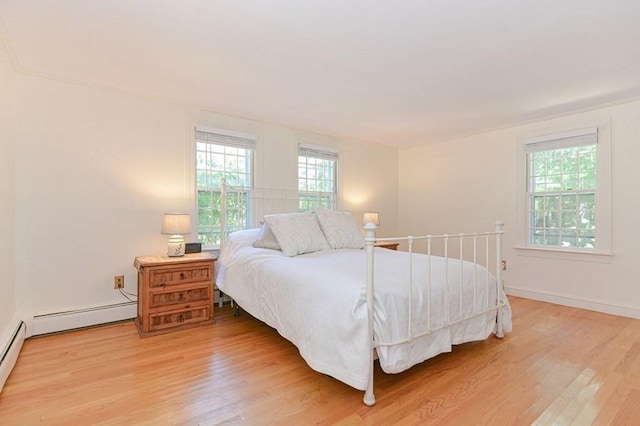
[[175, 248]]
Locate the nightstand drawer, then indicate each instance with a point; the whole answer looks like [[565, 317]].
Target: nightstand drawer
[[186, 295], [160, 277], [170, 319]]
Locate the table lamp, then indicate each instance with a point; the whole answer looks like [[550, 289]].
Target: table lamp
[[176, 224]]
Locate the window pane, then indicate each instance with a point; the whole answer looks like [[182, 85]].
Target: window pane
[[554, 162], [586, 214], [213, 163], [562, 197], [588, 180], [569, 202], [568, 240], [554, 182], [589, 242], [316, 182], [569, 220], [538, 166], [569, 182], [552, 239], [570, 162]]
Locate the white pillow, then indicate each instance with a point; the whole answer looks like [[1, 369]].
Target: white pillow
[[297, 233], [266, 239], [243, 236], [340, 229]]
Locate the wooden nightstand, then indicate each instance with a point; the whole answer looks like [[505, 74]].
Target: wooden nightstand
[[174, 293], [388, 245]]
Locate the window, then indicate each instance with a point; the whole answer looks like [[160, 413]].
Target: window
[[561, 188], [566, 201], [229, 155], [317, 177]]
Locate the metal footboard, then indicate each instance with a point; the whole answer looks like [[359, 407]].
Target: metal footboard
[[476, 241]]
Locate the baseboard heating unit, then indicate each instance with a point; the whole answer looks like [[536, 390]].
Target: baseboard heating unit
[[79, 318], [11, 351]]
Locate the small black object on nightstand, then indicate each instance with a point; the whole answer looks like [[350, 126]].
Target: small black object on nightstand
[[193, 248]]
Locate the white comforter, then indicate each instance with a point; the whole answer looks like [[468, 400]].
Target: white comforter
[[317, 301]]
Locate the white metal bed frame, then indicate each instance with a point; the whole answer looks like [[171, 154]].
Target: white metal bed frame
[[370, 241]]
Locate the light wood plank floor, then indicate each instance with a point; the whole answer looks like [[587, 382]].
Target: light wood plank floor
[[559, 366]]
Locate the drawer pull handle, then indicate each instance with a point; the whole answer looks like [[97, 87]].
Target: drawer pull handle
[[181, 318], [182, 276], [181, 297]]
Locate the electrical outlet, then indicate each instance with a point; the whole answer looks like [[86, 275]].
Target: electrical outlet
[[118, 282]]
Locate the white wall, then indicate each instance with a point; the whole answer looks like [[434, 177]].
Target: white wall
[[95, 170], [7, 276], [466, 184]]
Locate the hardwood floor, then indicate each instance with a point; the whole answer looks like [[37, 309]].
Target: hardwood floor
[[559, 366]]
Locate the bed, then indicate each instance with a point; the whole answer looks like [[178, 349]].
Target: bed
[[342, 301]]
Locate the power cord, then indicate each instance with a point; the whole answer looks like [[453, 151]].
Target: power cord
[[131, 297]]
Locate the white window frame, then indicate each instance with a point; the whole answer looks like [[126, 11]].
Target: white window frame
[[603, 250], [325, 154], [227, 138]]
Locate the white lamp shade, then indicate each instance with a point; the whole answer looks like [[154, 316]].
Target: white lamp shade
[[371, 217], [176, 224]]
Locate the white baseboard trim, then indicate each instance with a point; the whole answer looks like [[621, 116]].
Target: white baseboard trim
[[9, 354], [61, 321], [575, 302]]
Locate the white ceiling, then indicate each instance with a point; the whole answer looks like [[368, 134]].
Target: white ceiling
[[404, 72]]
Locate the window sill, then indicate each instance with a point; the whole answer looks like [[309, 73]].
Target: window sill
[[215, 250], [558, 254]]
